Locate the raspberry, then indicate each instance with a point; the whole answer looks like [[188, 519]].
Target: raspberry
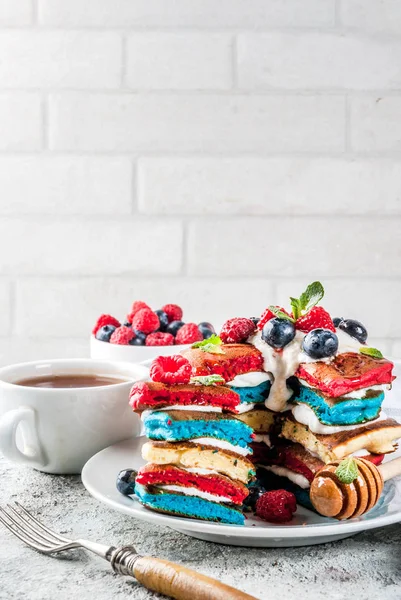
[[122, 335], [137, 306], [159, 339], [105, 320], [276, 506], [268, 314], [188, 334], [237, 330], [316, 318], [145, 320], [171, 369], [173, 312]]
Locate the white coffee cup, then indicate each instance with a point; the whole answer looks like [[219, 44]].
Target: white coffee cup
[[56, 430]]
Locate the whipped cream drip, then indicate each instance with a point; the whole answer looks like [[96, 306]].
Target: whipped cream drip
[[205, 441], [296, 478], [263, 438], [251, 379], [191, 491], [305, 415]]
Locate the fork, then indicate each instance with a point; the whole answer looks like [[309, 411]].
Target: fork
[[168, 578]]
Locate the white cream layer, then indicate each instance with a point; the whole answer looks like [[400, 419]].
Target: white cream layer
[[200, 471], [296, 478], [205, 441], [305, 415], [190, 491], [249, 379], [263, 438], [192, 407]]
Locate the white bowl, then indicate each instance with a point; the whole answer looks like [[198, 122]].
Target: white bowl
[[135, 354]]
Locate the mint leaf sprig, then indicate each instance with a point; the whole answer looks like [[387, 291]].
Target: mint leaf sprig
[[373, 352], [347, 471], [207, 379], [211, 345], [302, 305]]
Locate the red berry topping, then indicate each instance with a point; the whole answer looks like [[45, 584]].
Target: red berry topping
[[268, 314], [171, 369], [235, 331], [145, 320], [159, 339], [276, 506], [173, 312], [136, 307], [316, 318], [188, 334], [105, 320], [122, 335]]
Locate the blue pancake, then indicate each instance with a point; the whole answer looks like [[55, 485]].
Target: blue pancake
[[341, 411], [188, 506], [253, 395], [165, 426]]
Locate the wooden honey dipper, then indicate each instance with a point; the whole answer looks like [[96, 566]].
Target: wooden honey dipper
[[332, 498]]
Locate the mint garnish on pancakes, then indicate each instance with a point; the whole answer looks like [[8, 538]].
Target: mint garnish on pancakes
[[207, 379], [347, 471], [373, 352], [211, 345]]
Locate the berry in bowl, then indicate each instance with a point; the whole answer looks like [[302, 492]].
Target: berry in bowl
[[145, 333]]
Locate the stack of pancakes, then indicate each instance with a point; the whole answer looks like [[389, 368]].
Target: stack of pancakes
[[336, 412], [203, 437]]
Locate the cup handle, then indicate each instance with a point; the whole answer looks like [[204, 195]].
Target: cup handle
[[33, 454]]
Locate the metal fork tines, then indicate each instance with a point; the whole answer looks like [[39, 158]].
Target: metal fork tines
[[31, 531]]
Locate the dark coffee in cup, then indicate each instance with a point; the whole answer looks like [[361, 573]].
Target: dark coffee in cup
[[70, 381]]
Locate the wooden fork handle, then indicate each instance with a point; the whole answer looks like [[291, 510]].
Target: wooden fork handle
[[180, 583], [390, 469]]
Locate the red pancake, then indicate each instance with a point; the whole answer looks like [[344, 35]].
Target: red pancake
[[149, 394], [347, 372], [219, 485], [236, 360]]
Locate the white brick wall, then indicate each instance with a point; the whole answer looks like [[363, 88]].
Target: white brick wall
[[220, 154]]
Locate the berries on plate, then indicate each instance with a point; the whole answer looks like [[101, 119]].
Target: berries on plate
[[145, 320], [278, 332], [105, 320], [316, 318], [320, 343], [104, 333], [354, 328], [163, 319], [237, 330], [122, 335], [337, 321], [160, 338], [170, 369], [174, 326], [276, 506], [256, 490], [126, 481], [136, 307], [188, 334], [173, 312]]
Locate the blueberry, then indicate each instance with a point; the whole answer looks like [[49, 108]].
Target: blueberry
[[278, 332], [205, 330], [355, 329], [174, 326], [256, 490], [320, 343], [163, 319], [255, 320], [139, 339], [207, 325], [127, 324], [104, 333], [337, 321], [126, 481]]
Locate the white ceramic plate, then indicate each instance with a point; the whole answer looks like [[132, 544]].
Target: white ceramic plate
[[99, 477]]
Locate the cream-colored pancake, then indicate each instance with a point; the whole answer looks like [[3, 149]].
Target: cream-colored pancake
[[260, 419], [189, 455]]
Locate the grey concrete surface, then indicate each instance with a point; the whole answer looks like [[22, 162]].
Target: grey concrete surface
[[364, 567]]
